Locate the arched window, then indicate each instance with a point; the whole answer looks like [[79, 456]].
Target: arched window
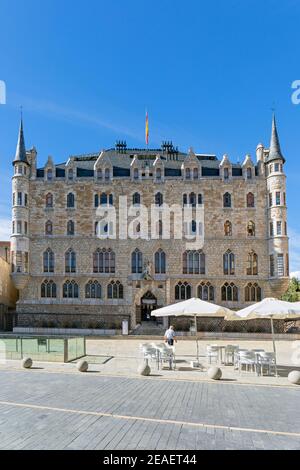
[[183, 291], [115, 290], [228, 263], [70, 227], [200, 199], [136, 174], [252, 292], [70, 174], [103, 199], [99, 174], [70, 290], [136, 262], [227, 200], [48, 289], [159, 199], [160, 262], [195, 173], [184, 199], [48, 227], [96, 200], [188, 174], [228, 229], [70, 200], [49, 200], [205, 291], [251, 229], [229, 292], [252, 264], [70, 261], [104, 261], [158, 174], [93, 290], [193, 262], [48, 261], [250, 200], [192, 199], [249, 173], [136, 199], [49, 175], [107, 174]]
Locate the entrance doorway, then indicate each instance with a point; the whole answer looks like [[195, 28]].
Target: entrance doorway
[[148, 303]]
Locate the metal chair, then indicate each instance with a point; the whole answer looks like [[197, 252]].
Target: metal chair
[[248, 360], [212, 352], [266, 359]]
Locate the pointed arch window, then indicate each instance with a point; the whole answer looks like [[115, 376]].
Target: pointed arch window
[[183, 291], [250, 200], [115, 290], [93, 290], [70, 290], [251, 229], [70, 201], [193, 262], [229, 292], [228, 263], [160, 262], [48, 228], [70, 227], [70, 174], [252, 264], [158, 174], [195, 173], [252, 292], [226, 173], [159, 199], [70, 261], [227, 200], [99, 174], [136, 199], [249, 173], [228, 229], [137, 262], [188, 174], [104, 261], [206, 291], [49, 200], [48, 289], [48, 261]]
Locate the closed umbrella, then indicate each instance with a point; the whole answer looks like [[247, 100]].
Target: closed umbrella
[[269, 308], [192, 308]]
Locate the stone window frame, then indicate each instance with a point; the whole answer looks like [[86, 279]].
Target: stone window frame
[[206, 286], [253, 292], [48, 289], [115, 290], [229, 292], [183, 290]]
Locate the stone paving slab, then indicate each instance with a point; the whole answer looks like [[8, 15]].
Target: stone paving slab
[[68, 411]]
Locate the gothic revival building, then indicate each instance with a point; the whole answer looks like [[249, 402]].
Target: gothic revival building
[[67, 274]]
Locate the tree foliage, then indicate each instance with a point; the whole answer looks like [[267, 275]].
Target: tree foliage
[[293, 292]]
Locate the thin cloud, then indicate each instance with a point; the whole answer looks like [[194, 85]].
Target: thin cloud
[[294, 250], [52, 109]]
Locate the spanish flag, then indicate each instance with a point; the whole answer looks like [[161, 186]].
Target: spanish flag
[[147, 129]]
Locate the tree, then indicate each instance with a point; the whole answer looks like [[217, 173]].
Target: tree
[[293, 292]]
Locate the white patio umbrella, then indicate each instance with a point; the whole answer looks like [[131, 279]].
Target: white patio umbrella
[[192, 308], [268, 308]]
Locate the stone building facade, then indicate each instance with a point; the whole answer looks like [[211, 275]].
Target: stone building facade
[[69, 270], [8, 292]]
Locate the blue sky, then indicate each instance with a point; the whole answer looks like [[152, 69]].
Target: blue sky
[[208, 72]]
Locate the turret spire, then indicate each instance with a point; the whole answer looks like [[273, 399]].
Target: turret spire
[[21, 150], [275, 150]]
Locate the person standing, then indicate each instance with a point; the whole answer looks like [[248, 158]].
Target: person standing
[[170, 336]]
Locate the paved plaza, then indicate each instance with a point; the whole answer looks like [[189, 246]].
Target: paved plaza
[[53, 406]]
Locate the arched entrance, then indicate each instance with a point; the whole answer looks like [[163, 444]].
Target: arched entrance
[[148, 303]]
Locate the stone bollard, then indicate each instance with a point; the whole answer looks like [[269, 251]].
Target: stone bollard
[[214, 373], [144, 369], [82, 366], [294, 377], [27, 362]]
